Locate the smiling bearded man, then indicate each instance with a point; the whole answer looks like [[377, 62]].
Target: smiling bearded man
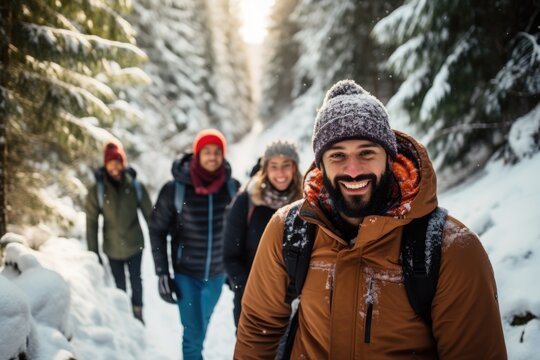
[[367, 185]]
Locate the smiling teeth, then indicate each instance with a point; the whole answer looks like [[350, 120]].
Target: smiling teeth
[[354, 186]]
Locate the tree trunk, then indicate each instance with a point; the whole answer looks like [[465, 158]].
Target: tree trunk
[[6, 21]]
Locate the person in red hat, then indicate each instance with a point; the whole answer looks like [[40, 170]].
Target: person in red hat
[[116, 195], [191, 209]]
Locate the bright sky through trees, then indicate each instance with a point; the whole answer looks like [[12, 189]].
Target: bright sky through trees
[[253, 15]]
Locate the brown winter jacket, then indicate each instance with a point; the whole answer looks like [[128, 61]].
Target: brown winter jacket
[[333, 320]]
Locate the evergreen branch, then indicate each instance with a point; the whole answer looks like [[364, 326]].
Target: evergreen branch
[[54, 95], [55, 71], [466, 128], [40, 13], [67, 128], [73, 50], [94, 17], [121, 78]]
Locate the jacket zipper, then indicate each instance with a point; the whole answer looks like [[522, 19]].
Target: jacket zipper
[[210, 236], [369, 313], [332, 274], [179, 254]]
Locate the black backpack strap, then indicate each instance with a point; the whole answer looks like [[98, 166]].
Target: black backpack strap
[[421, 258], [298, 239], [251, 209], [179, 195], [138, 191], [232, 187], [100, 188], [137, 186]]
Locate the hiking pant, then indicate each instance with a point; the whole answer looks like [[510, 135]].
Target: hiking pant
[[197, 301], [134, 267]]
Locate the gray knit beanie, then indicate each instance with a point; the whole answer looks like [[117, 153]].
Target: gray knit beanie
[[280, 147], [350, 112]]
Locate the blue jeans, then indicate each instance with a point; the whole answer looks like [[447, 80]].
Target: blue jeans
[[197, 301]]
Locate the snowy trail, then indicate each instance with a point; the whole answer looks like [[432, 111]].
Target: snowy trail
[[164, 333]]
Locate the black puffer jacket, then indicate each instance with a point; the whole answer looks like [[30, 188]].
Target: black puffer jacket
[[242, 236], [196, 233]]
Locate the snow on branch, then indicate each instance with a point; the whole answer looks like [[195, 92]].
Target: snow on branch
[[96, 17], [403, 23], [60, 45], [122, 77], [441, 87], [89, 125], [73, 99], [412, 85], [404, 60], [122, 111], [525, 133], [52, 70], [521, 73]]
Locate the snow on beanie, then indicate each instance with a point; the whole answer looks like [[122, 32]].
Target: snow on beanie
[[114, 151], [209, 136], [279, 147], [350, 112]]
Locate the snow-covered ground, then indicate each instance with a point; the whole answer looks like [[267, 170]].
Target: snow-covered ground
[[59, 292]]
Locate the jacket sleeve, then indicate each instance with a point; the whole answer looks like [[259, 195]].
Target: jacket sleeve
[[466, 318], [161, 221], [92, 215], [234, 238], [265, 314], [146, 205]]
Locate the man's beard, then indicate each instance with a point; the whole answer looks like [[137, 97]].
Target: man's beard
[[357, 207]]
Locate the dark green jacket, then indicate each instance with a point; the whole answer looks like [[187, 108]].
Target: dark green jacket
[[122, 233]]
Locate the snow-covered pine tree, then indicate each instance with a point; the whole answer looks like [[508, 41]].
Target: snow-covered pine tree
[[233, 106], [336, 44], [280, 53], [64, 60], [6, 15], [174, 35], [460, 89], [333, 43], [198, 71]]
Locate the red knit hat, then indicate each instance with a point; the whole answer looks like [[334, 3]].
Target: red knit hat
[[114, 151], [209, 136]]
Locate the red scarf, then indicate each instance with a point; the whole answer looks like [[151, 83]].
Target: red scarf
[[204, 181]]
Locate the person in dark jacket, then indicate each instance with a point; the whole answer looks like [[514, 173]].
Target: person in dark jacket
[[123, 239], [196, 256], [278, 182]]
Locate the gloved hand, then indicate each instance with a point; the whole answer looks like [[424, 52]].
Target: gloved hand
[[167, 289]]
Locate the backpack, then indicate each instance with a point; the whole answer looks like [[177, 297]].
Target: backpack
[[180, 193], [420, 277], [100, 187]]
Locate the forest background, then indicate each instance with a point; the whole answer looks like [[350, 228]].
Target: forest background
[[461, 75]]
